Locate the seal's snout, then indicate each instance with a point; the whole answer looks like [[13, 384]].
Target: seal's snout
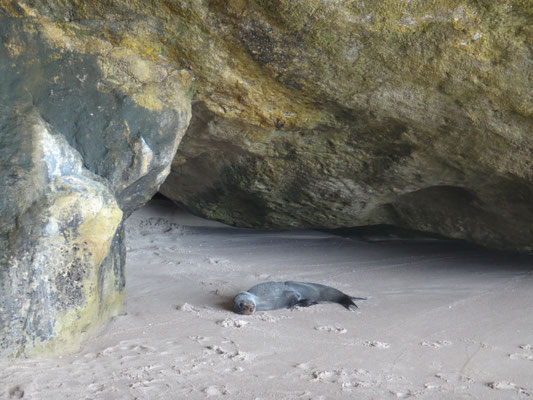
[[247, 309]]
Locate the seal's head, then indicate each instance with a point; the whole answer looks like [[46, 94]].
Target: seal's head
[[244, 303]]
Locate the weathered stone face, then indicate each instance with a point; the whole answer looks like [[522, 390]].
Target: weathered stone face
[[335, 114], [87, 133], [342, 113], [304, 179]]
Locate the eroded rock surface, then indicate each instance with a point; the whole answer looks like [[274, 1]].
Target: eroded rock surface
[[88, 129], [341, 113]]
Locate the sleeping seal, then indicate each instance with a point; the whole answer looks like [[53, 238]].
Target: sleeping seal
[[276, 295]]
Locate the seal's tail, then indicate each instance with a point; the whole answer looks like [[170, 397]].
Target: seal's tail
[[348, 302]]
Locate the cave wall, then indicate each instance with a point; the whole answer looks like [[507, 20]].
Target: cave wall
[[87, 133], [342, 113], [339, 114]]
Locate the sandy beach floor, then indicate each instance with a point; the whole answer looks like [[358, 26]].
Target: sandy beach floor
[[445, 321]]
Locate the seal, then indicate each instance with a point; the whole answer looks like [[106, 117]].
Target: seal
[[276, 295]]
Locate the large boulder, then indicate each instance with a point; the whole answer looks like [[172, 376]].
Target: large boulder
[[342, 113], [88, 128]]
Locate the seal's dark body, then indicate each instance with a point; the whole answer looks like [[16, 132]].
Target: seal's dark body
[[277, 295]]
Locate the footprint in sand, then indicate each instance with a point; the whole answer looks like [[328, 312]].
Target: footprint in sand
[[506, 385], [304, 366], [352, 380], [376, 344], [406, 394], [432, 386], [330, 328], [216, 261], [332, 376], [215, 391], [523, 356], [193, 310], [232, 323], [236, 355], [128, 347], [139, 348], [187, 308], [348, 380], [197, 339], [322, 376], [454, 377], [437, 344], [16, 392]]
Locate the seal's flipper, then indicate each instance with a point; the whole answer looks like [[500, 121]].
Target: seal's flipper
[[290, 298], [348, 303], [306, 303]]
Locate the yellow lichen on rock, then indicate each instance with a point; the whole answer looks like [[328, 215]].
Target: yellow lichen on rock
[[89, 241], [98, 228], [140, 71]]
